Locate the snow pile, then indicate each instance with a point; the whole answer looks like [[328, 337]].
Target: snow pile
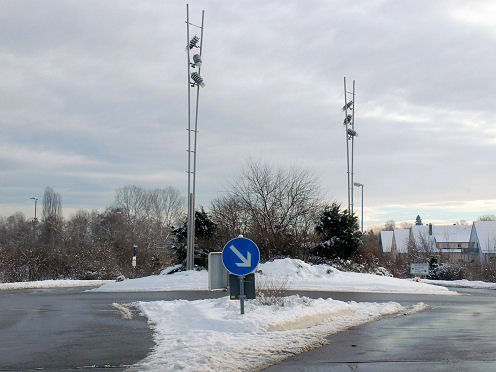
[[212, 335], [52, 284], [298, 275], [183, 280], [303, 276], [170, 269]]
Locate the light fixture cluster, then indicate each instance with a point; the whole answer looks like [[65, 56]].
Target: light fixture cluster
[[196, 78], [348, 119], [348, 106]]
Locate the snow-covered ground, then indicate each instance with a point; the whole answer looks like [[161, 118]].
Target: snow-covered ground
[[296, 275], [212, 335], [461, 283], [53, 284]]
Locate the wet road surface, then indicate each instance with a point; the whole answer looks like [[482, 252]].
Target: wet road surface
[[456, 333], [69, 329]]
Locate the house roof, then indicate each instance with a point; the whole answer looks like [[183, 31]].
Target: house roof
[[486, 233], [401, 237], [451, 233], [421, 237], [386, 241]]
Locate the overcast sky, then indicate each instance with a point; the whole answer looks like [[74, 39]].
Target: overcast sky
[[93, 97]]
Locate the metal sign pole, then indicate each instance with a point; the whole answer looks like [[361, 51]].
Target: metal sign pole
[[240, 257], [242, 294]]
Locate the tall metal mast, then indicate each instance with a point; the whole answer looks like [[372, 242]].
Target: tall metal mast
[[349, 123], [352, 145], [194, 80]]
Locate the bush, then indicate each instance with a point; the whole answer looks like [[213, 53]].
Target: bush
[[488, 272], [271, 290], [447, 272]]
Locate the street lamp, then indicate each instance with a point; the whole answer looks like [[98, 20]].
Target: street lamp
[[35, 198], [195, 80], [360, 185]]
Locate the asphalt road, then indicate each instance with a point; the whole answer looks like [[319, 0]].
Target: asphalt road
[[69, 329], [456, 333]]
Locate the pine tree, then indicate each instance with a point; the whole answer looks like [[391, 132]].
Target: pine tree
[[418, 221], [340, 233], [205, 230], [433, 268]]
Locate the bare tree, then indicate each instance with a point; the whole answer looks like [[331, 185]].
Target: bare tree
[[487, 217], [52, 205], [405, 225], [421, 248], [230, 217], [390, 225], [281, 205], [52, 224], [167, 206], [149, 216], [131, 200]]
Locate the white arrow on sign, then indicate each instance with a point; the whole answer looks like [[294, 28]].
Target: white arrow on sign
[[246, 260]]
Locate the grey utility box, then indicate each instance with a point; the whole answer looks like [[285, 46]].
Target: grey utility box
[[217, 273], [249, 285]]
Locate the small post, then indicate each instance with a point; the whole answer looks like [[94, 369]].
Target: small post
[[134, 259], [242, 294]]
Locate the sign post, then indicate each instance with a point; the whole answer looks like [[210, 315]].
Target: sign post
[[242, 294], [240, 257], [134, 255]]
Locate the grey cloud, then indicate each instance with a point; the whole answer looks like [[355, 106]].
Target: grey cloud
[[107, 81]]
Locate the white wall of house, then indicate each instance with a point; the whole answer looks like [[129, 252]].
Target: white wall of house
[[483, 237]]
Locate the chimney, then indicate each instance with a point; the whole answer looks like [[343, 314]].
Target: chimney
[[430, 229]]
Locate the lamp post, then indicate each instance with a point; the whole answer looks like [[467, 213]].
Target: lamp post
[[35, 198], [360, 185], [195, 80]]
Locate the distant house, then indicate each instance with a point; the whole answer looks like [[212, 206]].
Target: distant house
[[452, 241], [401, 239], [448, 242], [482, 241], [386, 241], [421, 238]]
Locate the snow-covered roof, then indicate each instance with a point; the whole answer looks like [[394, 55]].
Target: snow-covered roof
[[423, 241], [401, 237], [486, 233], [451, 233], [386, 241]]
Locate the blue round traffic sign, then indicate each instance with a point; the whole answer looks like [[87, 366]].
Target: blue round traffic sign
[[240, 256]]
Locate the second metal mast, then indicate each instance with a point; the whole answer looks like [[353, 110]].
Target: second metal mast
[[349, 123], [194, 81]]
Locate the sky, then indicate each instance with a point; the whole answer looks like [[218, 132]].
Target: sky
[[93, 97]]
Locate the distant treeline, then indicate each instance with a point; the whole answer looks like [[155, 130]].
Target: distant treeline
[[280, 209]]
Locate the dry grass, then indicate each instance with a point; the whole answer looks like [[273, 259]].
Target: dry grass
[[271, 290]]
